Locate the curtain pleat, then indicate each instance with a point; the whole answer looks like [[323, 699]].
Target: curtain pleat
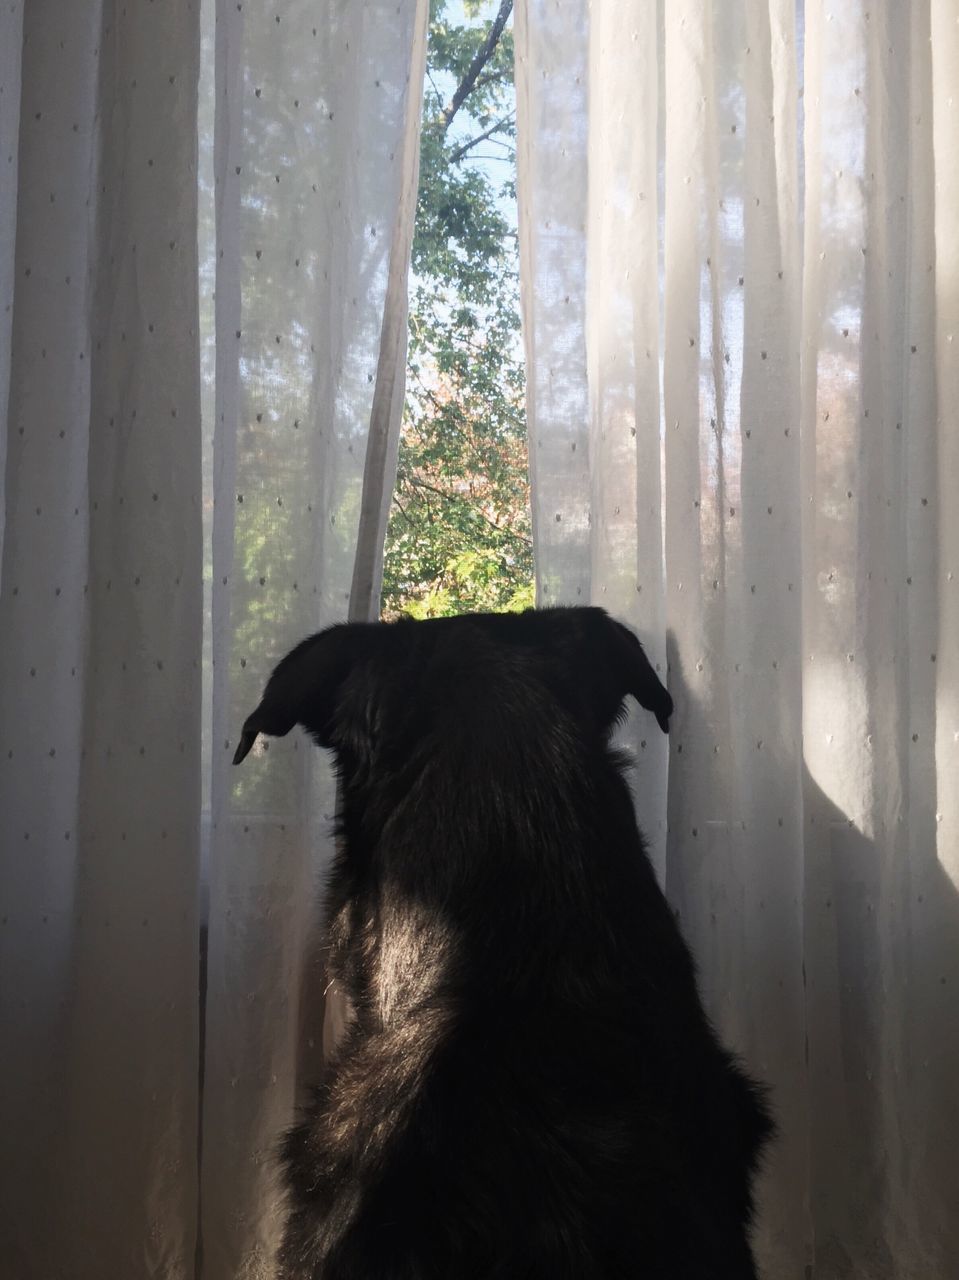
[[100, 628], [306, 137], [317, 115], [804, 193]]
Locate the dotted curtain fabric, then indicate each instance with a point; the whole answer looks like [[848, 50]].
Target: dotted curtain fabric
[[739, 229], [309, 193], [205, 224], [100, 640]]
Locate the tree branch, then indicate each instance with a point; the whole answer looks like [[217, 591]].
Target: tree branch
[[435, 87], [483, 55], [491, 159], [399, 506], [491, 77], [417, 482], [460, 152]]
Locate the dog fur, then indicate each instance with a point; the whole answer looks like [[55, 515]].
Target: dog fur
[[529, 1089]]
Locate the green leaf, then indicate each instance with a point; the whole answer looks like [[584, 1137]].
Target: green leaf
[[460, 535]]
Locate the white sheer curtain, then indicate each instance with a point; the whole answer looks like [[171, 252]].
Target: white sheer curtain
[[317, 135], [740, 253], [308, 128], [780, 434], [100, 626]]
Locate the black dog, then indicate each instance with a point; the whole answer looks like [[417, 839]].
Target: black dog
[[530, 1089]]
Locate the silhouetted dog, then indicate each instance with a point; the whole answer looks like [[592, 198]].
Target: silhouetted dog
[[530, 1089]]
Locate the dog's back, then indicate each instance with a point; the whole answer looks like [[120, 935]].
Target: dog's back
[[530, 1087]]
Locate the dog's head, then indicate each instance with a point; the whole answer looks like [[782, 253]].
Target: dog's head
[[358, 683]]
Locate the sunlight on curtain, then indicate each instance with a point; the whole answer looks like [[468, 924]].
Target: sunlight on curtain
[[314, 146], [796, 170], [593, 388]]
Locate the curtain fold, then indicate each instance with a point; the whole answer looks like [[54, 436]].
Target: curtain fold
[[386, 412], [315, 169], [587, 217], [308, 129], [801, 165], [100, 628]]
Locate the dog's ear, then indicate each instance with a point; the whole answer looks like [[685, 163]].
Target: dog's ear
[[306, 687], [640, 678], [630, 672]]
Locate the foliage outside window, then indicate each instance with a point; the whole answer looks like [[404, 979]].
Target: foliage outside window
[[459, 535]]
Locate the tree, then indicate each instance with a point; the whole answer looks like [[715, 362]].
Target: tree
[[459, 534]]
